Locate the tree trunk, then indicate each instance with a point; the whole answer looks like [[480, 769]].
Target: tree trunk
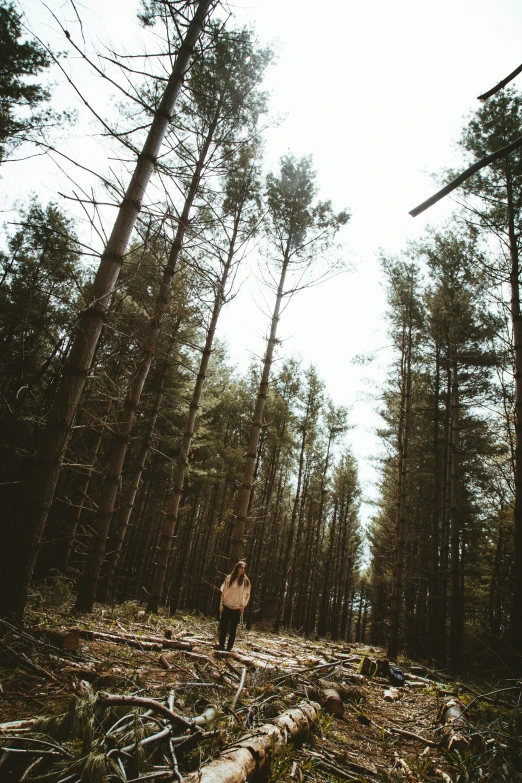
[[20, 556], [445, 538], [81, 494], [248, 475], [516, 320], [456, 629], [126, 511], [88, 583], [434, 567], [324, 614], [291, 602], [312, 588], [400, 527], [171, 516]]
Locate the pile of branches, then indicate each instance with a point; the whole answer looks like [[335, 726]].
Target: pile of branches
[[103, 737]]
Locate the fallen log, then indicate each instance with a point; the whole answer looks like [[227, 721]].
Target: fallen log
[[17, 725], [155, 643], [425, 680], [207, 716], [244, 659], [68, 641], [457, 730], [251, 753], [329, 696], [346, 692], [193, 640], [331, 702]]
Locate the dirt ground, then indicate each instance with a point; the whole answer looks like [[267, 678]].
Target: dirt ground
[[380, 732]]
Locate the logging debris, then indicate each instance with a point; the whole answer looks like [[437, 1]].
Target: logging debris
[[154, 700]]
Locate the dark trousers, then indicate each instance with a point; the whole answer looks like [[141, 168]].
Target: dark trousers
[[228, 623]]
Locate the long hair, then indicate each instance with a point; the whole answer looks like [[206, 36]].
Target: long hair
[[243, 579]]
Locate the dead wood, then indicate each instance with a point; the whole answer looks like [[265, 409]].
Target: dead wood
[[328, 765], [232, 669], [166, 665], [199, 656], [446, 778], [245, 659], [346, 692], [328, 694], [207, 716], [331, 702], [391, 694], [17, 725], [155, 643], [500, 85], [457, 729], [114, 700], [191, 640], [395, 730], [412, 735], [355, 678], [404, 767], [240, 688], [356, 767], [174, 644], [239, 762], [424, 680], [69, 640], [488, 697], [498, 155], [32, 665]]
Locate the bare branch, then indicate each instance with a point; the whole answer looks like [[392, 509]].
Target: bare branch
[[500, 85], [498, 155]]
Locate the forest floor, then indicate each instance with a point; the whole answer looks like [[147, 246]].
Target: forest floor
[[366, 731]]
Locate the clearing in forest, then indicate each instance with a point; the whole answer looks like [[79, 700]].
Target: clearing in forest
[[122, 695]]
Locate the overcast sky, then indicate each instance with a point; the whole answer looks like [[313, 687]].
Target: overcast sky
[[377, 93]]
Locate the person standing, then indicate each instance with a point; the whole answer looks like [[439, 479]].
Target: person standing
[[235, 594]]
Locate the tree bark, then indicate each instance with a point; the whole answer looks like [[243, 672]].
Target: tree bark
[[248, 475], [253, 752], [516, 320], [21, 556], [291, 532], [456, 629], [400, 526], [81, 494], [126, 512], [434, 568], [171, 516], [88, 583]]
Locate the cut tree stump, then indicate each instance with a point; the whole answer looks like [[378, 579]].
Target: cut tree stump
[[346, 692], [241, 761], [64, 640], [332, 703]]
